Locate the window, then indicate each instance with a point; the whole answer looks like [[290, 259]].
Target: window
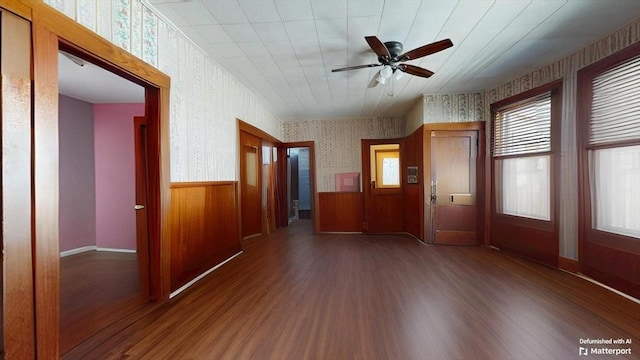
[[608, 125], [525, 187], [388, 168], [616, 190], [522, 155], [385, 165], [613, 147]]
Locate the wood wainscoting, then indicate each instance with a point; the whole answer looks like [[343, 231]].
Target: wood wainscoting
[[340, 212], [537, 244], [569, 265], [205, 227]]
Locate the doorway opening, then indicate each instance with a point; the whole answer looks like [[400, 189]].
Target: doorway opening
[[298, 184], [103, 240]]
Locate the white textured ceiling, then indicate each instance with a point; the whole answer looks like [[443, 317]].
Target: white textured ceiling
[[284, 50], [85, 81]]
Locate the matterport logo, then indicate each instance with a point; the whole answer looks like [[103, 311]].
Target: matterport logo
[[603, 346]]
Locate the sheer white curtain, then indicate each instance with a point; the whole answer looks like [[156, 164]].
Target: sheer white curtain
[[616, 188], [525, 187]]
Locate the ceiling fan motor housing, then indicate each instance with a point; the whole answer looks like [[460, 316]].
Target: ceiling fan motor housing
[[395, 49]]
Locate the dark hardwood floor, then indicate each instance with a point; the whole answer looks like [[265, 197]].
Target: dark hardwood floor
[[295, 295], [96, 289]]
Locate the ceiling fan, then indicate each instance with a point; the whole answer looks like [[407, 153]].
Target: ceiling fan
[[391, 58]]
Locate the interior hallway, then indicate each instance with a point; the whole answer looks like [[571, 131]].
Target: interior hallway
[[296, 295]]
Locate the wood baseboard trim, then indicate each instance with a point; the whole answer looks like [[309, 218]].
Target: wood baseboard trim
[[568, 265], [623, 294]]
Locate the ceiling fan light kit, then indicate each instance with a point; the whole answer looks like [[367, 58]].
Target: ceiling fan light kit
[[384, 74], [391, 58]]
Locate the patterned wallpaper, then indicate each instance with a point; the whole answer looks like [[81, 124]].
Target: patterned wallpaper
[[447, 108], [567, 69], [337, 142], [205, 99], [415, 117]]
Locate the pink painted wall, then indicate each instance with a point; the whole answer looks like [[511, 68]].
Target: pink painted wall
[[77, 174], [115, 174]]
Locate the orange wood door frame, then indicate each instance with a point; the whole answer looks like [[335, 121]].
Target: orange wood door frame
[[45, 177], [283, 207], [18, 318]]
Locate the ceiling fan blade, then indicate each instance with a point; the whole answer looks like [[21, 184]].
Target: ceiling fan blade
[[415, 70], [426, 50], [378, 47], [355, 67], [374, 80]]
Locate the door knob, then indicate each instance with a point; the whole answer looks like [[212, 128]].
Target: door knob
[[138, 207]]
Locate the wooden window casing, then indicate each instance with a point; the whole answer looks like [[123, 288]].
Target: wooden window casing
[[606, 256], [533, 238]]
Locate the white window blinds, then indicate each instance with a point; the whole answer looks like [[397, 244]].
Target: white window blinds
[[615, 110], [524, 129]]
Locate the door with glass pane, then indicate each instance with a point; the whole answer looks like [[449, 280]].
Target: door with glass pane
[[382, 183], [453, 199], [250, 184]]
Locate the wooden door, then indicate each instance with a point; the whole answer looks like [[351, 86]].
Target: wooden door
[[382, 184], [250, 184], [142, 228], [268, 168], [453, 198]]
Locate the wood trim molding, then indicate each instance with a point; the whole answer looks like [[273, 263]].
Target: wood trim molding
[[248, 128], [46, 191], [194, 184], [523, 96], [75, 36], [18, 327], [17, 7], [569, 265]]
